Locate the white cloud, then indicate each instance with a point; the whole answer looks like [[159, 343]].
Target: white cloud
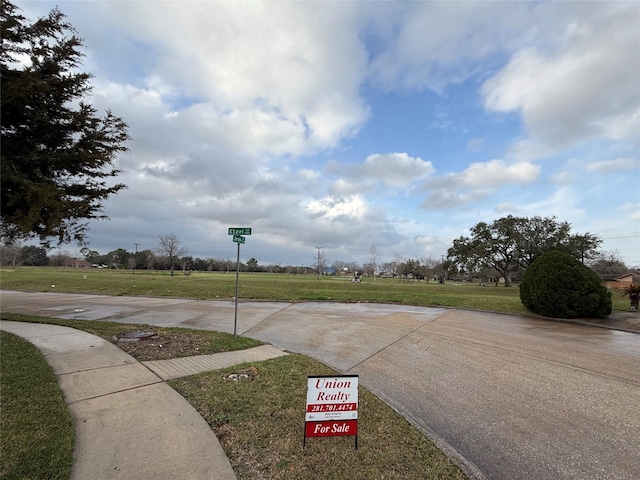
[[488, 174], [266, 74], [631, 211], [612, 166], [563, 203], [497, 172], [446, 199], [582, 86], [477, 182], [562, 178], [395, 169], [330, 208], [342, 187], [433, 45]]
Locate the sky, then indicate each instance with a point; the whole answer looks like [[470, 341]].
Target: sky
[[347, 125]]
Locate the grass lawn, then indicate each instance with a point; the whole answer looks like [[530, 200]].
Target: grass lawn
[[259, 423], [264, 286], [37, 430]]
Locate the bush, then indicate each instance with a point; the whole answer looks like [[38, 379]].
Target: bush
[[557, 285], [633, 292]]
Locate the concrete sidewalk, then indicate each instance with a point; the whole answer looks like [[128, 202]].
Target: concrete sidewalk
[[129, 423]]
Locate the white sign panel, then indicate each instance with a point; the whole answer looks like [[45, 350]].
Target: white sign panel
[[332, 398]]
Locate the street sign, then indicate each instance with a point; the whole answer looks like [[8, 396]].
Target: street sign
[[238, 238], [240, 231]]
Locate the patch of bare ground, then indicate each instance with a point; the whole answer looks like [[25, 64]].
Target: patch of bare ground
[[161, 347]]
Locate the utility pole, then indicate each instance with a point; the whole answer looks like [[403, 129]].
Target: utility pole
[[441, 268], [319, 248], [135, 255]]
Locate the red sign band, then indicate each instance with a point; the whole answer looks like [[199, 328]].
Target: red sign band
[[331, 428]]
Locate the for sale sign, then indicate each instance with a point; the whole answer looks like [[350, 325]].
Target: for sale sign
[[332, 406]]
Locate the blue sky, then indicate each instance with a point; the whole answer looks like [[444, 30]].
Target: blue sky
[[351, 124]]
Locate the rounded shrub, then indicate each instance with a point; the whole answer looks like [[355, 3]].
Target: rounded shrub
[[557, 285]]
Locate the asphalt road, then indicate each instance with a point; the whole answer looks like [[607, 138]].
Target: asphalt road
[[508, 397]]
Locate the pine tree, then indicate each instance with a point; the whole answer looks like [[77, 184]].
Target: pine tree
[[57, 153]]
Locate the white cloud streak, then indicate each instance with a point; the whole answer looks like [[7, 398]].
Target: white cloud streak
[[617, 165]]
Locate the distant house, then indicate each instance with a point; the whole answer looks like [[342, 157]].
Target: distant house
[[619, 280], [75, 263]]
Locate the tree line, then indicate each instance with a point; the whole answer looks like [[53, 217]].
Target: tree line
[[16, 255], [502, 249]]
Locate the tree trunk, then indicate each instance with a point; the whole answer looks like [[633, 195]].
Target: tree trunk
[[505, 274]]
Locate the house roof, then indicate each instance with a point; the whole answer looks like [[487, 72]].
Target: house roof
[[614, 277]]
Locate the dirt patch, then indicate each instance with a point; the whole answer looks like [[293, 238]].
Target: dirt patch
[[159, 347]]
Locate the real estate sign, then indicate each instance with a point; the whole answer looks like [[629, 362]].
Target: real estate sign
[[332, 406]]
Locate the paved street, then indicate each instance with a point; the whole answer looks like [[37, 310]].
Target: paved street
[[510, 397]]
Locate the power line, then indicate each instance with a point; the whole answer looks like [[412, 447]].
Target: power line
[[622, 235]]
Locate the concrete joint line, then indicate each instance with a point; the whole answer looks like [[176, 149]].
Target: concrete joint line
[[398, 340], [449, 311], [265, 319], [104, 395]]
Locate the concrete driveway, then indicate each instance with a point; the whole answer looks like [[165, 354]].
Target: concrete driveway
[[508, 397]]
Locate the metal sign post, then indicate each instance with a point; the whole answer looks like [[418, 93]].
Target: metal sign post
[[238, 238]]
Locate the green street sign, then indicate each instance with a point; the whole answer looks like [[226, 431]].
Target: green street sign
[[240, 231], [238, 239]]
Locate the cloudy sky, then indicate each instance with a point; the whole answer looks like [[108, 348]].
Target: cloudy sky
[[350, 124]]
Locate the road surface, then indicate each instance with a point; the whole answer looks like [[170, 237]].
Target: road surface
[[506, 396]]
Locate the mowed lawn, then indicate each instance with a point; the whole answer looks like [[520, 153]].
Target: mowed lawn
[[266, 286]]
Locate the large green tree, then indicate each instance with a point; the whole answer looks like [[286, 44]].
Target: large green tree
[[57, 152], [511, 243]]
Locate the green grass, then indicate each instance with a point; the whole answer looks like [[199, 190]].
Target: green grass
[[36, 428], [260, 425], [260, 286]]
